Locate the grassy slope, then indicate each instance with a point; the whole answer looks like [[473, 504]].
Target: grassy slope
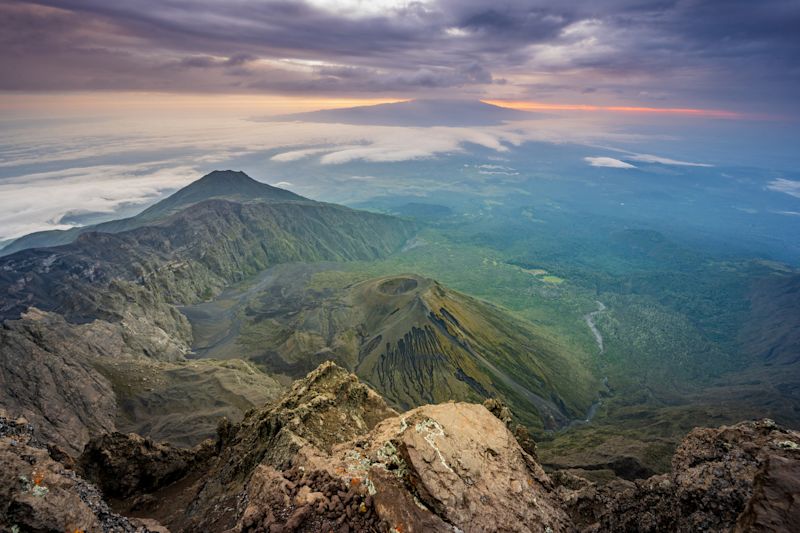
[[670, 328], [426, 344]]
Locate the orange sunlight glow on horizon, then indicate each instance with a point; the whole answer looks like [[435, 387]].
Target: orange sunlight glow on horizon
[[124, 102], [686, 111]]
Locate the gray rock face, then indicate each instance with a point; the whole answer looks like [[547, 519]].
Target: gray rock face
[[45, 376]]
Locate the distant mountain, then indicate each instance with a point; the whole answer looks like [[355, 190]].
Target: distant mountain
[[422, 113], [220, 184]]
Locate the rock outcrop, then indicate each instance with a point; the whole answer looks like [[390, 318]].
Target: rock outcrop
[[451, 464], [330, 455], [40, 494], [738, 477], [125, 465], [327, 407], [45, 376], [446, 467]]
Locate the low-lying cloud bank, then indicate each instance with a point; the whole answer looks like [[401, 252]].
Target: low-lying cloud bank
[[790, 187], [608, 162], [87, 168], [42, 201]]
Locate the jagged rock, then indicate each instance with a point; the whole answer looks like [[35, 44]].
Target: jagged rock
[[39, 494], [452, 464], [436, 468], [330, 455], [45, 376], [741, 476], [499, 409], [123, 465], [327, 407], [306, 501], [776, 497], [713, 470], [585, 501]]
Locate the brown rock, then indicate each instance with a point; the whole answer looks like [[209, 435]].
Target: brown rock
[[741, 476], [499, 409], [463, 467], [327, 407], [775, 504], [40, 494], [282, 496], [125, 465], [396, 505]]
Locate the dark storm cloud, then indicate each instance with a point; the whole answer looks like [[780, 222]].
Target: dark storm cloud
[[725, 52]]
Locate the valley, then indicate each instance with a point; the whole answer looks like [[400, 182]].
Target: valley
[[607, 351], [591, 322], [399, 266], [410, 338]]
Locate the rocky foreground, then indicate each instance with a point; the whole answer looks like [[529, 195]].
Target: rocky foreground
[[331, 455]]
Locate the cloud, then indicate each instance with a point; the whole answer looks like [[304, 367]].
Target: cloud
[[85, 167], [716, 53], [609, 162], [37, 202], [496, 170], [648, 158], [295, 155], [790, 187]]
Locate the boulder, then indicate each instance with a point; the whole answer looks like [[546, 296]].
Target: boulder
[[451, 466], [742, 477], [125, 465], [39, 494]]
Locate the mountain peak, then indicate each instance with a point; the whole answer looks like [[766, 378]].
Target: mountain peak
[[232, 185], [221, 185], [229, 176]]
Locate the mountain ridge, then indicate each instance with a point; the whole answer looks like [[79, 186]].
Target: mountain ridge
[[218, 184], [330, 455], [72, 310]]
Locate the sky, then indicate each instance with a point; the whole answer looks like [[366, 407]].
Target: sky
[[737, 56], [107, 106]]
